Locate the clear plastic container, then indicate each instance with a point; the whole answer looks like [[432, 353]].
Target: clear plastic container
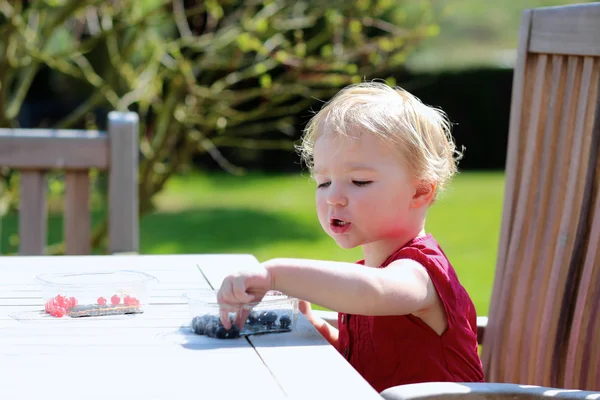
[[275, 313], [92, 294]]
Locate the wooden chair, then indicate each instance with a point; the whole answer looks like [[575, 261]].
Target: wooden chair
[[544, 324], [36, 151], [543, 328]]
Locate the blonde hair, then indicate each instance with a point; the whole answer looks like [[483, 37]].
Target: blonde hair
[[421, 133]]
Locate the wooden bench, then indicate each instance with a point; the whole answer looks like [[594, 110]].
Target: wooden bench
[[543, 327], [34, 152]]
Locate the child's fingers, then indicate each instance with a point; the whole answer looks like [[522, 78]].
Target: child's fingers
[[225, 293], [224, 315], [239, 292], [240, 318], [304, 306]]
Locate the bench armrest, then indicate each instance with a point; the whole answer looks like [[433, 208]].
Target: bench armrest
[[481, 391]]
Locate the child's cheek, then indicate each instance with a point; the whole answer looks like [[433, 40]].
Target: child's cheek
[[321, 208]]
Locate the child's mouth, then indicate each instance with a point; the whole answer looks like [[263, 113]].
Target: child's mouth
[[339, 226]]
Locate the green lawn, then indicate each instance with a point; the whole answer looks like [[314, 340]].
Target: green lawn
[[272, 216]]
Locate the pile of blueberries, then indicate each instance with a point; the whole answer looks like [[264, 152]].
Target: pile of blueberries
[[256, 323]]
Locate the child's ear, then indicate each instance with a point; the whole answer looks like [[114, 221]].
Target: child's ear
[[424, 193]]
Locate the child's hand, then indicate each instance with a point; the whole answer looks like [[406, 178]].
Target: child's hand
[[306, 309], [241, 288], [330, 333]]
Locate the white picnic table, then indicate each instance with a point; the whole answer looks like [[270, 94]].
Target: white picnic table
[[155, 355]]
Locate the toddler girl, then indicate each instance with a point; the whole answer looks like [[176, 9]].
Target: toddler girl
[[379, 157]]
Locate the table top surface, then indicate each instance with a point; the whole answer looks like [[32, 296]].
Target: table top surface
[[155, 355]]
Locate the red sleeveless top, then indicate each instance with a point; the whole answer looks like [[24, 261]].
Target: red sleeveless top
[[397, 350]]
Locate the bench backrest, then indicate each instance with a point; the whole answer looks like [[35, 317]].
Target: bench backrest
[[544, 327], [34, 152]]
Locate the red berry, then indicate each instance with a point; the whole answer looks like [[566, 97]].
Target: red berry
[[115, 300], [52, 304], [135, 302], [60, 299], [59, 312], [73, 301], [101, 301], [127, 300]]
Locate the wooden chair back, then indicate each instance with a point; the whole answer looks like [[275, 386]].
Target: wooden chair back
[[544, 325], [34, 152]]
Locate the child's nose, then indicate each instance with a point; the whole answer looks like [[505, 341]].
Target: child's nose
[[336, 197]]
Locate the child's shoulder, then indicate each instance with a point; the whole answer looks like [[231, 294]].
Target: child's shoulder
[[423, 249], [426, 251]]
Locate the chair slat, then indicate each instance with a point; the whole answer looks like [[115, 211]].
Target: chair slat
[[33, 213], [557, 136], [542, 280], [580, 366], [577, 356], [502, 283], [77, 234], [563, 268], [534, 261], [516, 141], [524, 208]]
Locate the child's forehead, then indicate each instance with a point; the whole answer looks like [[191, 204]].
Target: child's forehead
[[353, 140], [364, 153], [348, 166]]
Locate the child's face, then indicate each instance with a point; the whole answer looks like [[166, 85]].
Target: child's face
[[364, 194]]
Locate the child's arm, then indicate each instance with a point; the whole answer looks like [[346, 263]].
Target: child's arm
[[404, 287]]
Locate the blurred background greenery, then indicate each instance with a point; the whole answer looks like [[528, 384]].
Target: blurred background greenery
[[224, 88]]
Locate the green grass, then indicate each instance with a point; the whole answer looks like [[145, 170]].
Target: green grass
[[273, 216]]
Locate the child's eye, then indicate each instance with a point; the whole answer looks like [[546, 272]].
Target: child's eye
[[362, 183], [323, 185]]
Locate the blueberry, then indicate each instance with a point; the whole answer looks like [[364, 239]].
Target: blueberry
[[198, 325], [285, 321], [252, 318], [210, 329], [268, 318], [223, 333]]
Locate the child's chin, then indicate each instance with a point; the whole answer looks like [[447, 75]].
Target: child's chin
[[346, 244]]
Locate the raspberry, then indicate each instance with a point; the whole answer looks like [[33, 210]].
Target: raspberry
[[59, 312], [101, 301], [127, 300], [115, 300], [60, 299], [51, 305]]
